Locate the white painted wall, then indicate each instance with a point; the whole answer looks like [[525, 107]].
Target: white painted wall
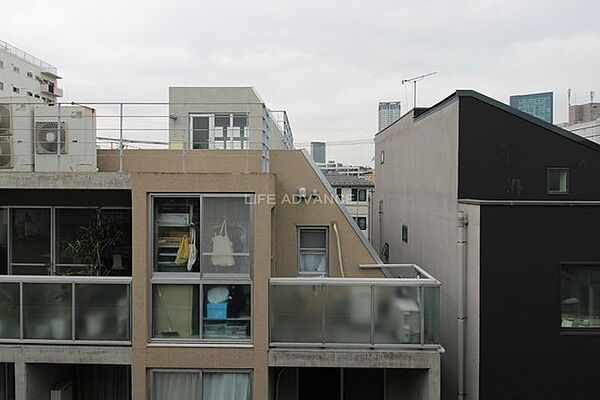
[[25, 84]]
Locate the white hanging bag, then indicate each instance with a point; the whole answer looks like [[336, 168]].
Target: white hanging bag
[[222, 254]]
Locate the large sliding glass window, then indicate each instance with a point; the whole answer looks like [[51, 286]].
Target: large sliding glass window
[[30, 241], [200, 385], [201, 267], [219, 131], [35, 240]]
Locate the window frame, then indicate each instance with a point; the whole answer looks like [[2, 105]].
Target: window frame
[[299, 229], [228, 141], [53, 251], [199, 279], [200, 371], [568, 180], [594, 331]]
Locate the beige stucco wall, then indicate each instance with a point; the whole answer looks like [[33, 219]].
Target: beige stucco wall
[[274, 245]]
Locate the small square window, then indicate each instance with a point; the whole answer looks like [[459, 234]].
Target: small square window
[[30, 75], [312, 250], [579, 297], [359, 194], [381, 157], [16, 69], [405, 233], [16, 90], [557, 180], [338, 193]]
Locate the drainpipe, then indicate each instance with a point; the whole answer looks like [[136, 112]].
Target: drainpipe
[[339, 247], [462, 300]]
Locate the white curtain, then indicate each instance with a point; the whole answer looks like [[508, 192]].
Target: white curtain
[[176, 386], [226, 386], [313, 262]]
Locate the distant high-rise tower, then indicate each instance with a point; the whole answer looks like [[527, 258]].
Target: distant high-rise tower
[[539, 105], [318, 150], [389, 112]]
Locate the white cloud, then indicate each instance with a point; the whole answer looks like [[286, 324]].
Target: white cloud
[[328, 62]]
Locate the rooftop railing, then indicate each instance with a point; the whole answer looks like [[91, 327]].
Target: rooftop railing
[[65, 310], [119, 126], [27, 57], [356, 312]]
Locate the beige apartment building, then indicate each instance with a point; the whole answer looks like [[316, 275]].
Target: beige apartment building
[[203, 274]]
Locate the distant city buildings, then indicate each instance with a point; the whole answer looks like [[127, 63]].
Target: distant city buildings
[[389, 112], [318, 151], [584, 120], [540, 105], [22, 75], [355, 193]]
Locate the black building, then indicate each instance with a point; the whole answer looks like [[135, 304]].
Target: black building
[[504, 209]]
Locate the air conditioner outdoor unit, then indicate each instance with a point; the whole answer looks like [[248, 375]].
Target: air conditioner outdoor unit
[[62, 391], [76, 135], [16, 128]]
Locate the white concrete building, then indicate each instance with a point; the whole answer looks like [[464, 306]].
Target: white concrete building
[[22, 74], [355, 193]]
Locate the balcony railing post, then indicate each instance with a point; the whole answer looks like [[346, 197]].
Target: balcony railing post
[[21, 320], [73, 311], [372, 315], [323, 323], [422, 312]]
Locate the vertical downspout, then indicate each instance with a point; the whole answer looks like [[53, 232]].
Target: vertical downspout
[[462, 300]]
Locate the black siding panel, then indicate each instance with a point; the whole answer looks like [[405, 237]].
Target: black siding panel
[[504, 156], [523, 356]]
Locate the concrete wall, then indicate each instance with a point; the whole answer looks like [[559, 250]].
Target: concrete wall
[[210, 100], [418, 186]]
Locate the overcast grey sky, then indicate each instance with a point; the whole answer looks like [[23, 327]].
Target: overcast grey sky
[[327, 62]]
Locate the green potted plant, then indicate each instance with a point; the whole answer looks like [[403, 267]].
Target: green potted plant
[[92, 244]]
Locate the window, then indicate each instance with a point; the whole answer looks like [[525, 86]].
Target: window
[[312, 250], [16, 69], [359, 194], [580, 296], [381, 157], [30, 75], [557, 180], [341, 383], [39, 237], [7, 381], [361, 222], [405, 233], [219, 131], [16, 89], [204, 243], [200, 385], [338, 193], [1, 85]]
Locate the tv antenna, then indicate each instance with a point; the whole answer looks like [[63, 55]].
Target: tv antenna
[[414, 82]]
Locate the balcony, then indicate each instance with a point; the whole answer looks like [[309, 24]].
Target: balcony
[[65, 310], [400, 312], [50, 88]]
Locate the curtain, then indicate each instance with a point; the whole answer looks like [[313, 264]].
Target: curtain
[[226, 386], [176, 386], [103, 382], [311, 262]]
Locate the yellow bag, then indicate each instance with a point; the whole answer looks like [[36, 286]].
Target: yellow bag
[[183, 252]]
